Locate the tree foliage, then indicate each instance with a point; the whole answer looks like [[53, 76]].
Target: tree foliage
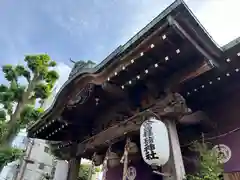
[[18, 98], [83, 172], [209, 166], [85, 169], [8, 155]]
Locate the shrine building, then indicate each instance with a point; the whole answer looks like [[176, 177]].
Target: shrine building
[[172, 71]]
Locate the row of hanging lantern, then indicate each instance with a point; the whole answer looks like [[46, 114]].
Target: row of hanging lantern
[[44, 127], [166, 58], [154, 142], [64, 125], [163, 37], [210, 82], [57, 130], [64, 145], [146, 71]]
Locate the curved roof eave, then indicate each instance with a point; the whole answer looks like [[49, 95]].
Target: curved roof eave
[[115, 56], [110, 58]]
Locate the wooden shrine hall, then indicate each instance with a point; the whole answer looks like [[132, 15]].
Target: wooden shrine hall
[[172, 71]]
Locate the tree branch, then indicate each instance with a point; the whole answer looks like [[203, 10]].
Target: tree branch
[[16, 115]]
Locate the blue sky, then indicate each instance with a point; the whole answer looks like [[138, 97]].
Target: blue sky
[[91, 29]]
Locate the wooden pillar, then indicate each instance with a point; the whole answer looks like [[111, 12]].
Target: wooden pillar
[[175, 165], [73, 164], [170, 109], [73, 171]]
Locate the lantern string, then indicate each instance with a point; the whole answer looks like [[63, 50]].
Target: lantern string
[[213, 137]]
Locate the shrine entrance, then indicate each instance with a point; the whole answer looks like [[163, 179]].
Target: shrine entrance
[[126, 112]]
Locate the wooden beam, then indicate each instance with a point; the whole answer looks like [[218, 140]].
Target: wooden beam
[[180, 29], [211, 47], [111, 134], [66, 94], [185, 74], [114, 91], [194, 118], [172, 105]]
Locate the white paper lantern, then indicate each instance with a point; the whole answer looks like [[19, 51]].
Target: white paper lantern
[[154, 142]]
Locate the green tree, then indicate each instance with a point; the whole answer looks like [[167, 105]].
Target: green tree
[[209, 166], [85, 169], [18, 97], [8, 155]]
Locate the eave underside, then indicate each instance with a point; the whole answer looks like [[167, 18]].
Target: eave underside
[[163, 66]]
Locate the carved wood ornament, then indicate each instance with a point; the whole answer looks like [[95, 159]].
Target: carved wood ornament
[[82, 96]]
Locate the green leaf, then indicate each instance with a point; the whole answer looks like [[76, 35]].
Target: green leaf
[[9, 154], [51, 76], [84, 170], [30, 114], [40, 81], [3, 115], [52, 64], [37, 63], [22, 71], [18, 93], [5, 97], [9, 72], [3, 88], [19, 69], [42, 91], [209, 167]]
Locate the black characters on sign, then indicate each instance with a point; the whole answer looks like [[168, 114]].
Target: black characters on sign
[[149, 146]]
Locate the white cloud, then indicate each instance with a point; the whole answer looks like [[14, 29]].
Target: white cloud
[[143, 13], [219, 17], [63, 71]]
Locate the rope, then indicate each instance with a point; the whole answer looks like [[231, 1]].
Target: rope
[[125, 159], [105, 164], [213, 137]]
